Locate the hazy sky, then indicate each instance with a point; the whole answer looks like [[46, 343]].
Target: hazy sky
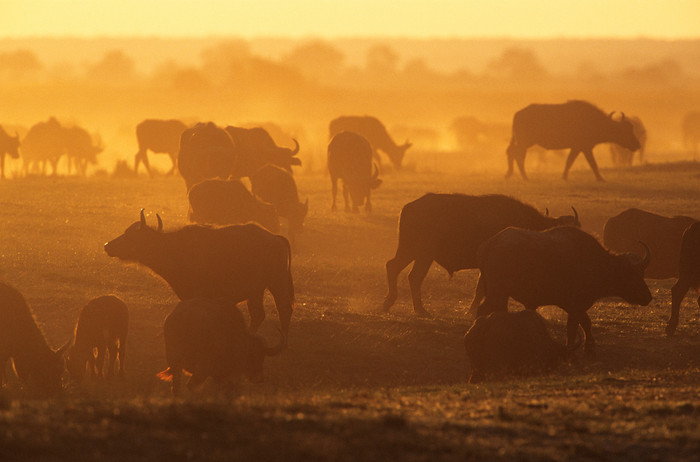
[[350, 18]]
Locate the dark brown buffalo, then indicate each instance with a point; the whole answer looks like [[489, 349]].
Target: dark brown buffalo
[[159, 136], [373, 131], [22, 341], [235, 263], [8, 145], [206, 151], [275, 185], [624, 232], [448, 229], [512, 343], [103, 325], [81, 149], [228, 202], [688, 273], [209, 338], [255, 148], [561, 266], [574, 125], [43, 144], [350, 159]]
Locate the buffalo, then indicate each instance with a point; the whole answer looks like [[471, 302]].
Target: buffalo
[[448, 229], [255, 148], [206, 151], [623, 232], [350, 159], [561, 266], [8, 145], [43, 144], [81, 150], [209, 338], [228, 202], [275, 185], [21, 340], [103, 325], [373, 131], [512, 342], [159, 136], [574, 125], [235, 263], [691, 131], [688, 273]]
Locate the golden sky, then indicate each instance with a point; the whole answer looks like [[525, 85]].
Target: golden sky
[[352, 18]]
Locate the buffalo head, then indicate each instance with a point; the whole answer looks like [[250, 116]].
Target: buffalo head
[[137, 241]]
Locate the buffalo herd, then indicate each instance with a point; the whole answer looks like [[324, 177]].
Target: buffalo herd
[[231, 252]]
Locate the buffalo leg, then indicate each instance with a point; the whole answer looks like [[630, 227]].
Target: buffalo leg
[[346, 198], [174, 161], [594, 165], [141, 157], [479, 293], [569, 162], [393, 269], [122, 354], [334, 190], [678, 291], [283, 301], [572, 324], [368, 205], [415, 280], [256, 310], [112, 349]]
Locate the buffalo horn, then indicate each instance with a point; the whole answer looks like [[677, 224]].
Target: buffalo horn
[[143, 219], [277, 349], [575, 216], [546, 212], [611, 114], [160, 223], [296, 149]]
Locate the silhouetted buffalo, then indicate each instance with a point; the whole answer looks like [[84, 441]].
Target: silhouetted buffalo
[[160, 136], [22, 341], [691, 131], [81, 150], [512, 343], [562, 266], [234, 263], [8, 145], [448, 229], [206, 151], [688, 273], [622, 156], [277, 186], [103, 325], [350, 159], [228, 202], [43, 144], [209, 338], [624, 232], [255, 148], [374, 132], [575, 125]]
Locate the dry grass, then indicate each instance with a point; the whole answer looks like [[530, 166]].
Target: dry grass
[[355, 384]]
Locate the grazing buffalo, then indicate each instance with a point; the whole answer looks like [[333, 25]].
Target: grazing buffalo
[[561, 266], [22, 341], [43, 144], [256, 148], [102, 325], [206, 151], [277, 186], [448, 229], [80, 148], [160, 136], [8, 145], [623, 232], [350, 159], [228, 202], [234, 263], [622, 156], [688, 273], [691, 131], [209, 338], [373, 131], [574, 125], [512, 342]]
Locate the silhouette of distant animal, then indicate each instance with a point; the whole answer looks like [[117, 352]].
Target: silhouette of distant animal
[[688, 273], [277, 186], [159, 136], [448, 229], [624, 232], [574, 125], [507, 343], [21, 341], [691, 131], [206, 151], [561, 266], [209, 338], [350, 159], [43, 144], [234, 263], [622, 156], [81, 150], [8, 145], [103, 325], [373, 131], [255, 148], [228, 202]]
